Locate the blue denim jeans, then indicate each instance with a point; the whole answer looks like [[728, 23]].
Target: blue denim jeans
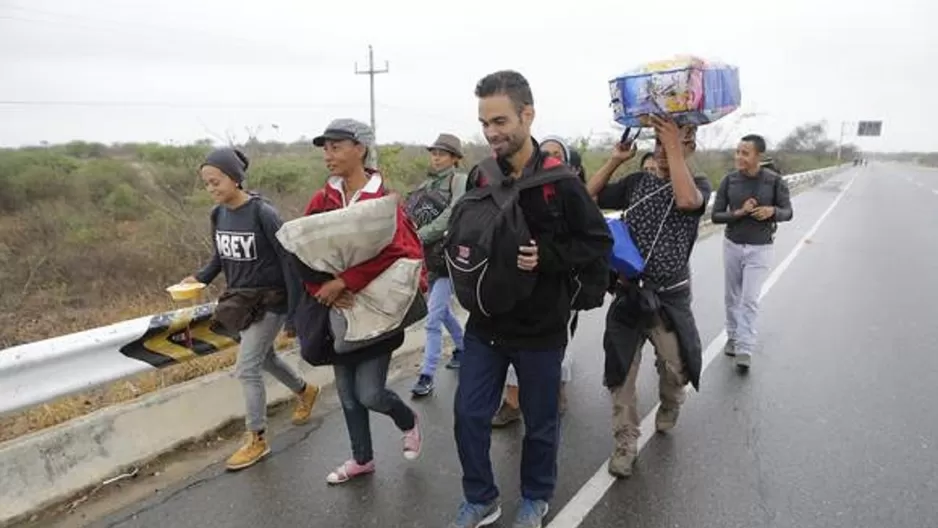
[[481, 379], [362, 388], [440, 315]]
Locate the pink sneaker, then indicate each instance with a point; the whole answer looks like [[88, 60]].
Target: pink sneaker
[[413, 441], [349, 470]]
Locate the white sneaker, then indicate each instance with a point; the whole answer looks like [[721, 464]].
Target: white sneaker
[[743, 361]]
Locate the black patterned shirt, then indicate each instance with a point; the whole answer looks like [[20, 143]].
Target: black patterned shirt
[[668, 262]]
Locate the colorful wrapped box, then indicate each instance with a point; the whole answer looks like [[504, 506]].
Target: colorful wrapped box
[[691, 90]]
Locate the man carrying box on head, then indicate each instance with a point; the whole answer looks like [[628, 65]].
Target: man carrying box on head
[[663, 211]]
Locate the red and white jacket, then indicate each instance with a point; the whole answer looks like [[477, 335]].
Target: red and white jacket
[[405, 244]]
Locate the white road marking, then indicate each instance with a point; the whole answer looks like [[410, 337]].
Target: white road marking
[[582, 503]]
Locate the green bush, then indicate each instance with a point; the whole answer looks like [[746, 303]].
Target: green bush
[[34, 175], [97, 179], [123, 202], [284, 175]]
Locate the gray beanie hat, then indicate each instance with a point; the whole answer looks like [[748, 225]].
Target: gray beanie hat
[[231, 161]]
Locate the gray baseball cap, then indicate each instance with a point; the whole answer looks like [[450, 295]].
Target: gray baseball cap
[[352, 130]]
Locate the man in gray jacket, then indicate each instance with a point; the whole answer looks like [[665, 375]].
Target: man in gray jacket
[[750, 201]]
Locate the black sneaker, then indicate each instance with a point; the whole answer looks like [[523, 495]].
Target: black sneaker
[[423, 387], [454, 361]]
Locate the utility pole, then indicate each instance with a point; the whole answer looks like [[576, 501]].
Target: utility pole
[[371, 72], [840, 142]]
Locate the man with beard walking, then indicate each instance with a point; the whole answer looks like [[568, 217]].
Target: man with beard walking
[[567, 232]]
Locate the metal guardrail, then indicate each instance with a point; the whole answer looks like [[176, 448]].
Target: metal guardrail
[[42, 371], [45, 370]]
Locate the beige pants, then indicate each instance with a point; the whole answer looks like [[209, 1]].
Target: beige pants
[[671, 381]]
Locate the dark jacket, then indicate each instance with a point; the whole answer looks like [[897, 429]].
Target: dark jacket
[[570, 232], [317, 343], [768, 188], [632, 312]]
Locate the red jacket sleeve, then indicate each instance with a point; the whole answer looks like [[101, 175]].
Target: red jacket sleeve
[[317, 203], [405, 244]]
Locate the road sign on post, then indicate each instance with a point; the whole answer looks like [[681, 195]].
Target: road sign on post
[[869, 128]]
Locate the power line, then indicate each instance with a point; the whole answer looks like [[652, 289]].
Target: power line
[[371, 72], [172, 104]]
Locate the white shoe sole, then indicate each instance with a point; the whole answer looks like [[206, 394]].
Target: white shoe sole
[[494, 516]]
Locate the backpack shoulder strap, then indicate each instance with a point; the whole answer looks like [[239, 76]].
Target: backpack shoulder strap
[[457, 186], [261, 203], [214, 217], [559, 172], [545, 176], [490, 169]]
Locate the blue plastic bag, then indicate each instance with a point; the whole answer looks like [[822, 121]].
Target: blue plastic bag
[[626, 258]]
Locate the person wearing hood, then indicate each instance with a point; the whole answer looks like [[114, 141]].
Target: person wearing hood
[[429, 206], [360, 376], [510, 410], [259, 296]]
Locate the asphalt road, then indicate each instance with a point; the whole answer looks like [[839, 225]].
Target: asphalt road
[[832, 427]]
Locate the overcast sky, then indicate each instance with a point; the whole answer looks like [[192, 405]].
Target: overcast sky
[[216, 68]]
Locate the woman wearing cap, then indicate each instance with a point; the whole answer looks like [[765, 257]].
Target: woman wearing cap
[[510, 409], [361, 376], [259, 297], [429, 207]]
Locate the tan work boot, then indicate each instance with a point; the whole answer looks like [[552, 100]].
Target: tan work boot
[[506, 415], [255, 448], [622, 460], [666, 417], [304, 404]]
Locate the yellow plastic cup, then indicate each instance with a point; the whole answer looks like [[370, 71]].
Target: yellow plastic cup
[[186, 291]]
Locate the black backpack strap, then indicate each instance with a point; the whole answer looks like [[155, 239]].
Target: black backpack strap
[[214, 217], [491, 170], [544, 177]]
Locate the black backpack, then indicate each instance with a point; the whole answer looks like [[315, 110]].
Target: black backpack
[[485, 230], [589, 284]]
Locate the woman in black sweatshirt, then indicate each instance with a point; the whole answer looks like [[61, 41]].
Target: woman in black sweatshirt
[[259, 295]]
